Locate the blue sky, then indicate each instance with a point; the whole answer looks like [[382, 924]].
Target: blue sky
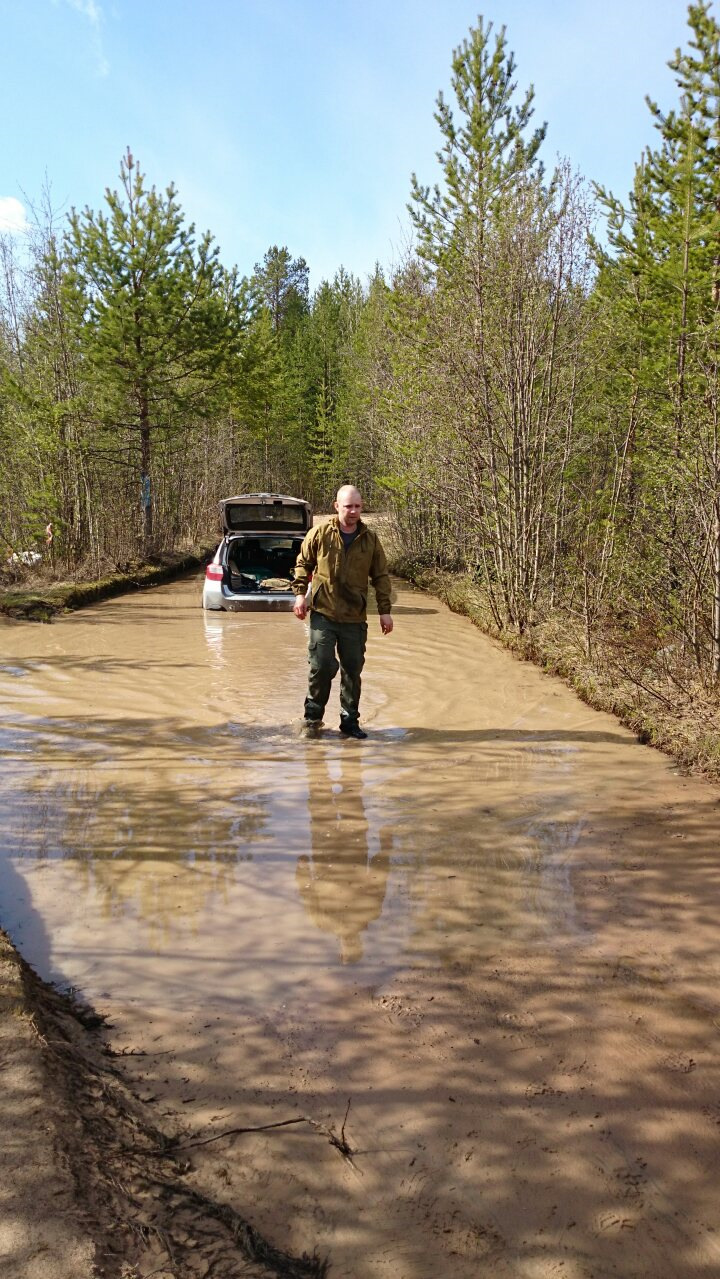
[[299, 122]]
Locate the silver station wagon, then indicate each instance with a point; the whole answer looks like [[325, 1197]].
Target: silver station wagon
[[254, 564]]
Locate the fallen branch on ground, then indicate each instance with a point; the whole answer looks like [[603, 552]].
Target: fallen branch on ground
[[340, 1143]]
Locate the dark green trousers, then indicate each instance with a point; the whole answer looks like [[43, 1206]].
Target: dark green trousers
[[349, 640]]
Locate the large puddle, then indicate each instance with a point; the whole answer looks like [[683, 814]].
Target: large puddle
[[166, 834], [492, 927]]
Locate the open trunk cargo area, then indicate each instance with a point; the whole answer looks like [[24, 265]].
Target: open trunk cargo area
[[261, 566]]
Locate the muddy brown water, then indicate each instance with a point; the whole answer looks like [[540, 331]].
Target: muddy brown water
[[492, 929]]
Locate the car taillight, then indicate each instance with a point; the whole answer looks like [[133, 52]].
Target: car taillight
[[214, 573]]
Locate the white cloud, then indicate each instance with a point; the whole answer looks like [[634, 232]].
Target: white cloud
[[91, 10], [12, 216]]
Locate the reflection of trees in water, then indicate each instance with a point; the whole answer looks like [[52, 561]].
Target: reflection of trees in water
[[341, 885], [147, 847], [549, 894], [467, 889], [490, 854]]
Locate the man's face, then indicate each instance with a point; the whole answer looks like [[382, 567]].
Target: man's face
[[349, 507]]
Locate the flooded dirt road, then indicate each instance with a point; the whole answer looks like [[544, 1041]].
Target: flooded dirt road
[[492, 929]]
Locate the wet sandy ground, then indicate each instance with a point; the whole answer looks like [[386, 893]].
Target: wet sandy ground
[[492, 928], [40, 1236]]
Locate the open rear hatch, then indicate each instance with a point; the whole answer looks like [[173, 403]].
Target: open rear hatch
[[265, 513]]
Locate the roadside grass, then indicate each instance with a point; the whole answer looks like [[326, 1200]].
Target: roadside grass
[[663, 703]]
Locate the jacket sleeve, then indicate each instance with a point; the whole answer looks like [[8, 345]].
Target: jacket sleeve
[[306, 562], [380, 578]]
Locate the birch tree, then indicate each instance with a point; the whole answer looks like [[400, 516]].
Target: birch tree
[[505, 258]]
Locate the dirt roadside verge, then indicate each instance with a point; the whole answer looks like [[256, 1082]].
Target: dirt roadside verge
[[93, 1186], [41, 601]]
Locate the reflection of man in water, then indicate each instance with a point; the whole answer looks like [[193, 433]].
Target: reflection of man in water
[[341, 886]]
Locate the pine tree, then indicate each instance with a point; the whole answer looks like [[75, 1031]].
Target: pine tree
[[321, 359], [658, 291], [503, 252], [482, 156], [264, 405], [158, 319], [283, 285], [361, 395]]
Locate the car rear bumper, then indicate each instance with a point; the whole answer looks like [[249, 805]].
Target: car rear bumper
[[217, 596], [258, 603]]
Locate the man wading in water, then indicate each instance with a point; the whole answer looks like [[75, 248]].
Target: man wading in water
[[340, 555]]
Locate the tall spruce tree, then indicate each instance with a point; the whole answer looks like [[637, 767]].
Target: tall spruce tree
[[322, 362], [361, 402]]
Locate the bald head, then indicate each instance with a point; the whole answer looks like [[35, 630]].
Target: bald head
[[348, 491], [348, 505]]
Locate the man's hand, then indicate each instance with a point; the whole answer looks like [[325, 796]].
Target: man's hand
[[300, 607], [386, 623]]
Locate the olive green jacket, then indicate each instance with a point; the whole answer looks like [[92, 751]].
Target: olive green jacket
[[340, 578]]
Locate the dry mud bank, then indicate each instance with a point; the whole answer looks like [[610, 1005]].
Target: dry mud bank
[[41, 1235], [92, 1187]]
